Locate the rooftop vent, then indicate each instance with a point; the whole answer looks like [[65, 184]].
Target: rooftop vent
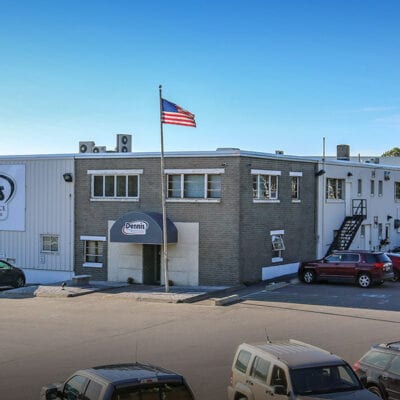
[[343, 152], [278, 151]]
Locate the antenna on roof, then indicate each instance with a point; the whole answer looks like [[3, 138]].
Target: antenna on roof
[[266, 334]]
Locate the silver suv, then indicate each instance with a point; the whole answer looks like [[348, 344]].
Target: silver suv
[[292, 370]]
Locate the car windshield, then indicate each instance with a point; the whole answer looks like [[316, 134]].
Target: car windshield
[[158, 391], [317, 380]]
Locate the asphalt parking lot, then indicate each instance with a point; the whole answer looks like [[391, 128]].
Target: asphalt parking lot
[[385, 297]]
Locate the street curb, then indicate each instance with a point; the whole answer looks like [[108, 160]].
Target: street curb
[[209, 295], [227, 300]]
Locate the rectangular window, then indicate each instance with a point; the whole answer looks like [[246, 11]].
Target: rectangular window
[[259, 369], [93, 252], [380, 230], [115, 184], [359, 187], [278, 246], [397, 191], [295, 187], [194, 186], [380, 188], [334, 189], [265, 187], [362, 232], [49, 243], [372, 187]]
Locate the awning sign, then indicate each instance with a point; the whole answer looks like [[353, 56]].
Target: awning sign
[[12, 197], [135, 228]]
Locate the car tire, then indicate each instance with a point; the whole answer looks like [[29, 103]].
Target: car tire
[[396, 277], [20, 282], [309, 276], [364, 280], [377, 391]]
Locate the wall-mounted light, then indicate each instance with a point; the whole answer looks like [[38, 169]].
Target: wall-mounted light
[[349, 174], [320, 172], [389, 217], [68, 177]]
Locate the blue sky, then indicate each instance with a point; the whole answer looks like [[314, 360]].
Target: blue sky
[[259, 75]]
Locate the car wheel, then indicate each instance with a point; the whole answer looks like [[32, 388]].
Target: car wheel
[[19, 282], [308, 276], [396, 277], [364, 280], [376, 390]]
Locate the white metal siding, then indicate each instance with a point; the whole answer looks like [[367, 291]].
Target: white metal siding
[[49, 210]]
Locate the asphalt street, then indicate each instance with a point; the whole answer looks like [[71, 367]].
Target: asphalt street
[[44, 340]]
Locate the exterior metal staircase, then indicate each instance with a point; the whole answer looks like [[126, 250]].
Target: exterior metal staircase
[[348, 230]]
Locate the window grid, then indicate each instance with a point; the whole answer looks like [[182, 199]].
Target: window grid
[[115, 186], [49, 243], [93, 251], [194, 186], [265, 187], [334, 189]]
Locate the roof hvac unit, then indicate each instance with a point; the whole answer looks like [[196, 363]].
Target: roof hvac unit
[[86, 147], [99, 149], [124, 143]]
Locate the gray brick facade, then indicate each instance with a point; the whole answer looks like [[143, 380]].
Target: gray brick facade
[[234, 234]]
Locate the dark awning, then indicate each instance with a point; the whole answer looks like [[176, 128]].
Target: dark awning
[[142, 227]]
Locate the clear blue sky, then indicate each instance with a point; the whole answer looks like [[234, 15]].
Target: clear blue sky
[[259, 75]]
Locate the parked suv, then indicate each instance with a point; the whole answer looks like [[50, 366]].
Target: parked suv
[[292, 370], [379, 370], [120, 382], [360, 266]]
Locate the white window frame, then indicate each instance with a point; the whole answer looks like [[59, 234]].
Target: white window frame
[[336, 190], [92, 239], [279, 244], [205, 172], [397, 192], [297, 176], [359, 187], [114, 172], [380, 188], [267, 173], [52, 237]]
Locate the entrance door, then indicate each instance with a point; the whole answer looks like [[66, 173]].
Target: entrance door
[[151, 264]]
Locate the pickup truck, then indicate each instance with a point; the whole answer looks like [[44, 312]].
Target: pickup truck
[[134, 381]]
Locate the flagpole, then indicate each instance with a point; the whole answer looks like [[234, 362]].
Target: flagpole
[[164, 209]]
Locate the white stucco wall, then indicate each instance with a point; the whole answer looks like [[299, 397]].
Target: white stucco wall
[[183, 257], [331, 213], [126, 259]]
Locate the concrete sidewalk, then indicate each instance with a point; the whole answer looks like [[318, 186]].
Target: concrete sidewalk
[[176, 294]]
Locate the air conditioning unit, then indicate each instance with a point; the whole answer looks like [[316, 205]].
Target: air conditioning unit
[[124, 143], [86, 147], [99, 149]]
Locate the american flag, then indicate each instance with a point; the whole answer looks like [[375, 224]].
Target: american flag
[[173, 114]]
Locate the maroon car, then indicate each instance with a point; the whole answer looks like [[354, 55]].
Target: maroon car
[[395, 258], [359, 266]]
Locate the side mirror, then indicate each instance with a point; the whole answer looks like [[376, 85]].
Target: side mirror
[[363, 380], [50, 393], [280, 389]]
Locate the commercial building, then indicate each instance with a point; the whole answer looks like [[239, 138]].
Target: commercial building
[[234, 216], [37, 215]]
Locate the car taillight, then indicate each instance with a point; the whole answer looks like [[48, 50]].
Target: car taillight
[[379, 264], [356, 366]]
